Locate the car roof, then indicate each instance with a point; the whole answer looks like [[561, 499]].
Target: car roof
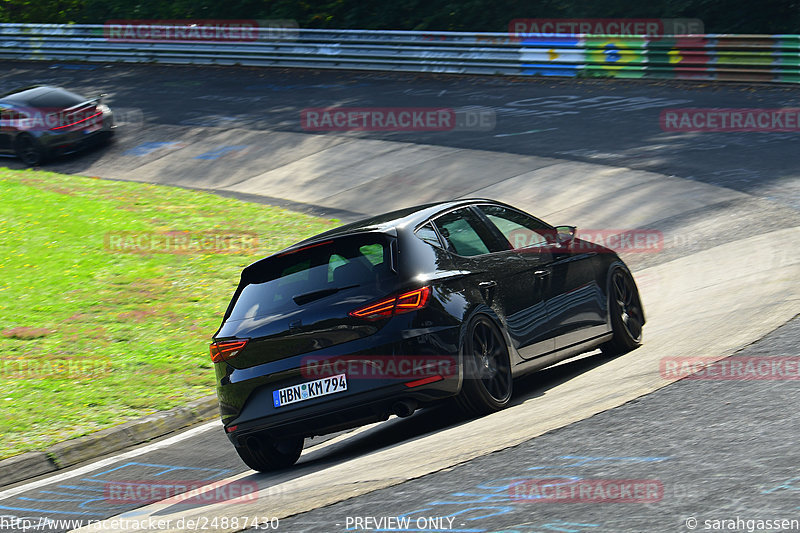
[[406, 219], [29, 95], [26, 94], [391, 223]]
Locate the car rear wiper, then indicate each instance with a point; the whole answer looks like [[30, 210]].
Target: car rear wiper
[[302, 299]]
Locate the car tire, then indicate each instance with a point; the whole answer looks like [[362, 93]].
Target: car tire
[[265, 454], [487, 384], [29, 150], [626, 313], [107, 138]]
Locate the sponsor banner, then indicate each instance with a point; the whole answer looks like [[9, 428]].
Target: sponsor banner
[[620, 57], [753, 368], [681, 57], [730, 120], [571, 490], [561, 56]]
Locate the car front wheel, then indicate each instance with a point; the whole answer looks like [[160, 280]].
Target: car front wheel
[[627, 314], [29, 150]]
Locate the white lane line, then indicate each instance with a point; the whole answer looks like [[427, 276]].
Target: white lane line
[[523, 132], [110, 460], [56, 478], [306, 451]]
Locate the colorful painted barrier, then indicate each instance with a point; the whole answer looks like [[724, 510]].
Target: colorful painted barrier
[[746, 58]]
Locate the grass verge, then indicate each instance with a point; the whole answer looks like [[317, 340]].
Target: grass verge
[[98, 323]]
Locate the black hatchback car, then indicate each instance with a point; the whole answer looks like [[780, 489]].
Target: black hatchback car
[[399, 311], [40, 122]]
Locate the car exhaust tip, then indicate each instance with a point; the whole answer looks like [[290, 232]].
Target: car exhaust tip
[[404, 408], [251, 442]]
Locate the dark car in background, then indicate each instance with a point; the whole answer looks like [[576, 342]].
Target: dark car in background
[[40, 122], [403, 310]]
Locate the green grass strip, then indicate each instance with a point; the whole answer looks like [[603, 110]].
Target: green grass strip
[[105, 311]]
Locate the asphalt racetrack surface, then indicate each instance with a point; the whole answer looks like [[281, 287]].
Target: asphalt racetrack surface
[[711, 450], [600, 121]]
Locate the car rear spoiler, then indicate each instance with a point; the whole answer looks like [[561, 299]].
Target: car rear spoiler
[[95, 101]]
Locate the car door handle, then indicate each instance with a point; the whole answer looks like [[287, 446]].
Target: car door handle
[[541, 273], [487, 284]]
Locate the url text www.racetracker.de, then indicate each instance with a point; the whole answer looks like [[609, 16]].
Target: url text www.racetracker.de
[[43, 523]]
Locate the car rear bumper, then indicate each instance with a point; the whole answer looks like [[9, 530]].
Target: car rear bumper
[[424, 368], [337, 414], [80, 139]]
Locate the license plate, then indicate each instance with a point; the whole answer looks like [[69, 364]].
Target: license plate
[[309, 390]]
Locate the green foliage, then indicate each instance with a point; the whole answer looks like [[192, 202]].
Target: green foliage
[[719, 16]]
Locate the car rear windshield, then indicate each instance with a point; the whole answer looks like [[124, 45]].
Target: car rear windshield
[[293, 280]]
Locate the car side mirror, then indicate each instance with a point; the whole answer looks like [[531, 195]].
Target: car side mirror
[[565, 235]]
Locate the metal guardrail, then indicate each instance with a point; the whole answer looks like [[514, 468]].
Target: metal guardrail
[[762, 58]]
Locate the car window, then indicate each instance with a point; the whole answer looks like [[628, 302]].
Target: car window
[[270, 286], [373, 253], [335, 262], [428, 234], [519, 229], [462, 232]]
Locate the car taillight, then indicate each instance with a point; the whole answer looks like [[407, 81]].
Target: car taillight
[[84, 115], [224, 350], [305, 248], [402, 303]]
